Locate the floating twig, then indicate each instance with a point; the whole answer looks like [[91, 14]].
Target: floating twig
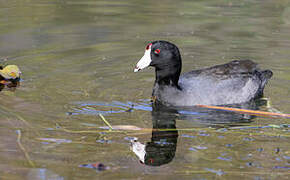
[[23, 149], [247, 111], [230, 130], [108, 124], [83, 131]]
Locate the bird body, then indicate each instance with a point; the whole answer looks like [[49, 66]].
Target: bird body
[[235, 82]]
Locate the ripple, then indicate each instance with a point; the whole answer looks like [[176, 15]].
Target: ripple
[[54, 140], [217, 172], [96, 108], [225, 158]]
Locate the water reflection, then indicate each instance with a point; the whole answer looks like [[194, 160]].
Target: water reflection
[[11, 84], [162, 147], [214, 117], [43, 174], [96, 108], [199, 116]]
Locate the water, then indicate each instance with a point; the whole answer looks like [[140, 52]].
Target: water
[[77, 59]]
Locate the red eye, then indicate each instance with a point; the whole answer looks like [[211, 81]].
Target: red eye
[[148, 46], [157, 51]]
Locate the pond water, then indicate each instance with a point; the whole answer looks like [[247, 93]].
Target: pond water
[[77, 60]]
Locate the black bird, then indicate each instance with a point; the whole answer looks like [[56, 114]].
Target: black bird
[[236, 82]]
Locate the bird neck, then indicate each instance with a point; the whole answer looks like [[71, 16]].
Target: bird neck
[[168, 76]]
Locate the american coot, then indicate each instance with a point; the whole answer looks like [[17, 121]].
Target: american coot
[[236, 82]]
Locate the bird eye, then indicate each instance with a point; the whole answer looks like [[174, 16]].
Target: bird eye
[[148, 46], [157, 51]]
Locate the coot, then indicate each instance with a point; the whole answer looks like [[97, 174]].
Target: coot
[[235, 82]]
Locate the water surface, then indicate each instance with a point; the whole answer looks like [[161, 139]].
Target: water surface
[[77, 59]]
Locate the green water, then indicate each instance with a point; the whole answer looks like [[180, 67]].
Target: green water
[[77, 60]]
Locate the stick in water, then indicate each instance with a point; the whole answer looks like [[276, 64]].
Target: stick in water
[[108, 124], [23, 149], [246, 111]]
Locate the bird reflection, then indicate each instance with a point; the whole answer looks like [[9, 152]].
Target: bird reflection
[[162, 147]]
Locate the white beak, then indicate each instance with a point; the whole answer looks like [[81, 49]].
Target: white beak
[[144, 61]]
